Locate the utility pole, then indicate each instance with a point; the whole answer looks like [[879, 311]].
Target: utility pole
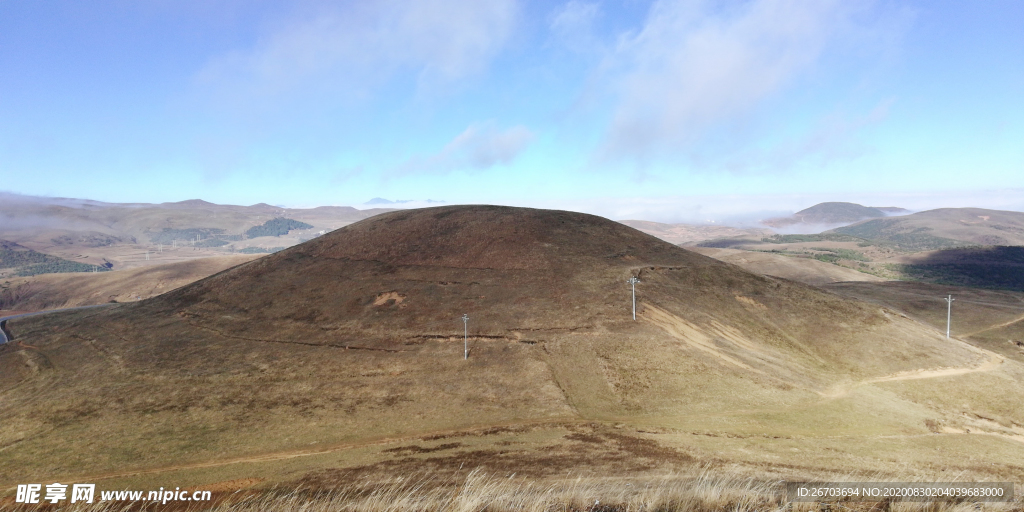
[[465, 336], [949, 310], [633, 281]]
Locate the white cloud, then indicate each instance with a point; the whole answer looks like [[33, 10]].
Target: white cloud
[[692, 67], [834, 138], [355, 46], [479, 147], [572, 25]]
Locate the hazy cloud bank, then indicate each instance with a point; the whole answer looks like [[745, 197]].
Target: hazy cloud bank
[[479, 147], [353, 47], [749, 210]]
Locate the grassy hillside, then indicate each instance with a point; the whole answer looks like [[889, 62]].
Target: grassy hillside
[[943, 229], [804, 270], [994, 319], [984, 267], [341, 360], [904, 236]]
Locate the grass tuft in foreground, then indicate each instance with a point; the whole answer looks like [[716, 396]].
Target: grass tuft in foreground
[[480, 492]]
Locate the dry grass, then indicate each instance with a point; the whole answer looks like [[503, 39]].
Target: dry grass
[[477, 491], [804, 270]]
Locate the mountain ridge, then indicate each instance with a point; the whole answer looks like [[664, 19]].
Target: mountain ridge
[[833, 213]]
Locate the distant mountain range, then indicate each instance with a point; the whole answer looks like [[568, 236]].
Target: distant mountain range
[[124, 235], [95, 232]]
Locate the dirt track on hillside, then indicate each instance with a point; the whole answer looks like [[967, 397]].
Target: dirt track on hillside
[[994, 362], [997, 326]]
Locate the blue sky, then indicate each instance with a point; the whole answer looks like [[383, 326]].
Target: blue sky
[[674, 111]]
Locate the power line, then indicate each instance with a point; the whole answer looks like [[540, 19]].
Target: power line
[[633, 281], [465, 336], [949, 311]]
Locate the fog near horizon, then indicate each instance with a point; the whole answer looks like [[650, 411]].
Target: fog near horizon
[[733, 211]]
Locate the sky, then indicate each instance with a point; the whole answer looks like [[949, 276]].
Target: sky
[[673, 111]]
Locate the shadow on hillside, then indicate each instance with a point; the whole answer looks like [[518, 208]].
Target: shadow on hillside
[[726, 243], [998, 267]]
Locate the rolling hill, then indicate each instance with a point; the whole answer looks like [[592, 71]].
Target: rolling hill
[[943, 228], [833, 213], [343, 358]]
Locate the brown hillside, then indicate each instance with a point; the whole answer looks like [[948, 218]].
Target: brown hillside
[[354, 338], [509, 269]]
